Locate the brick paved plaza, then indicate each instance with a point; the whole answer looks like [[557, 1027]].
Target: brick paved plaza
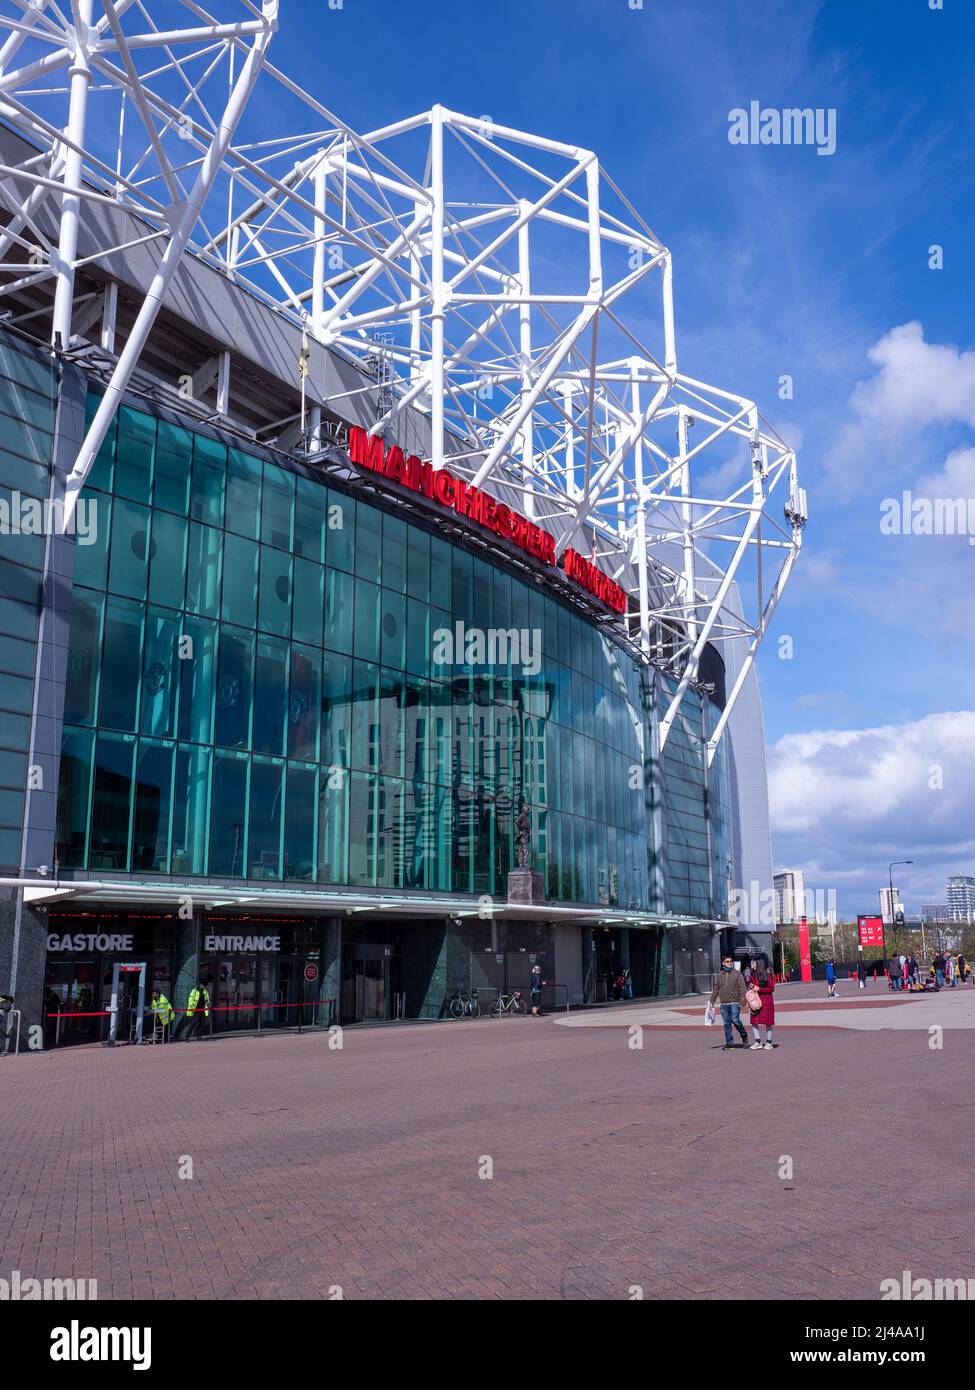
[[612, 1167]]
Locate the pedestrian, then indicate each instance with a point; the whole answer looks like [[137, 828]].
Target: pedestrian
[[763, 983], [197, 1010], [862, 973], [963, 970], [830, 979], [730, 992], [913, 971], [627, 984], [894, 973], [950, 971], [939, 970], [6, 1012], [164, 1013], [535, 985]]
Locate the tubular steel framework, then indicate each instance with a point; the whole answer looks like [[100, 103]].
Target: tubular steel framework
[[498, 287]]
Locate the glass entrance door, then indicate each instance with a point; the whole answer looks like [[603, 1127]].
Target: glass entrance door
[[71, 1003], [366, 975], [236, 994]]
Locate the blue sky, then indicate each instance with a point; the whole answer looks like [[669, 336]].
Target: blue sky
[[785, 262]]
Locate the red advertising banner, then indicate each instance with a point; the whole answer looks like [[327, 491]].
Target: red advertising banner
[[805, 955], [871, 931]]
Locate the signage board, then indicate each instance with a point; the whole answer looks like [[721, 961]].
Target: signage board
[[479, 508], [871, 931]]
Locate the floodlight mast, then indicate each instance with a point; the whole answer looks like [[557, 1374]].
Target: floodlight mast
[[486, 269]]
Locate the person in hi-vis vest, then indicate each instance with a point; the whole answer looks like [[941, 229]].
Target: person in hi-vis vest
[[197, 1010], [164, 1013]]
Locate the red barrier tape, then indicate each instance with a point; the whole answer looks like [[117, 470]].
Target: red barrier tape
[[214, 1009]]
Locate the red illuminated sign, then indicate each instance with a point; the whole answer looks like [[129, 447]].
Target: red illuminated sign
[[871, 931], [469, 502], [805, 954]]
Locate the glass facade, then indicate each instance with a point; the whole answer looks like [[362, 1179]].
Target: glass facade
[[257, 690], [27, 392]]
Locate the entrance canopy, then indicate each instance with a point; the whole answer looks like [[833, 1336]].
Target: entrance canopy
[[214, 895]]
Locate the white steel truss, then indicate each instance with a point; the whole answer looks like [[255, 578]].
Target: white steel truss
[[511, 306]]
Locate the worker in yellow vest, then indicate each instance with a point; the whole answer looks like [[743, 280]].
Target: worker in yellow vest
[[197, 1010], [163, 1012]]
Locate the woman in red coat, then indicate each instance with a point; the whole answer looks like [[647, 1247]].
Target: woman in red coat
[[764, 1017]]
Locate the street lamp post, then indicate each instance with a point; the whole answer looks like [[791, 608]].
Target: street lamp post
[[890, 883]]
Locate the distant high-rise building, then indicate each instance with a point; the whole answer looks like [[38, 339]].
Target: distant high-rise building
[[935, 912], [960, 892], [890, 904], [788, 887]]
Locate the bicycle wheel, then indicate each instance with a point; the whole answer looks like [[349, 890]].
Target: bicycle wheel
[[457, 1008], [474, 1007], [497, 1008], [518, 1006]]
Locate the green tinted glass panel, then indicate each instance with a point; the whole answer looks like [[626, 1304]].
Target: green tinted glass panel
[[204, 555], [197, 675], [167, 559], [366, 630], [309, 536], [191, 801], [208, 480], [309, 602], [74, 784], [160, 674], [121, 665], [235, 679], [239, 603], [228, 815], [150, 827], [129, 549], [274, 606], [111, 803], [340, 532], [278, 507], [174, 455], [266, 805], [339, 607], [270, 696], [244, 475], [299, 822], [304, 702], [133, 454]]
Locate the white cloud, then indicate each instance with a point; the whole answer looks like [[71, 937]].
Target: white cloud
[[917, 383], [917, 386], [956, 478], [847, 802]]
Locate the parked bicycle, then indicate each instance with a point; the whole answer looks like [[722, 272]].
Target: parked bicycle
[[508, 1004], [464, 1004]]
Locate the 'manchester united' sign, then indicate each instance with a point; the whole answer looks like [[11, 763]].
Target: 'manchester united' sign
[[474, 505]]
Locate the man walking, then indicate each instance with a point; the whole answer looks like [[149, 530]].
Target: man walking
[[730, 993], [535, 985], [830, 979], [197, 1010], [862, 972]]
